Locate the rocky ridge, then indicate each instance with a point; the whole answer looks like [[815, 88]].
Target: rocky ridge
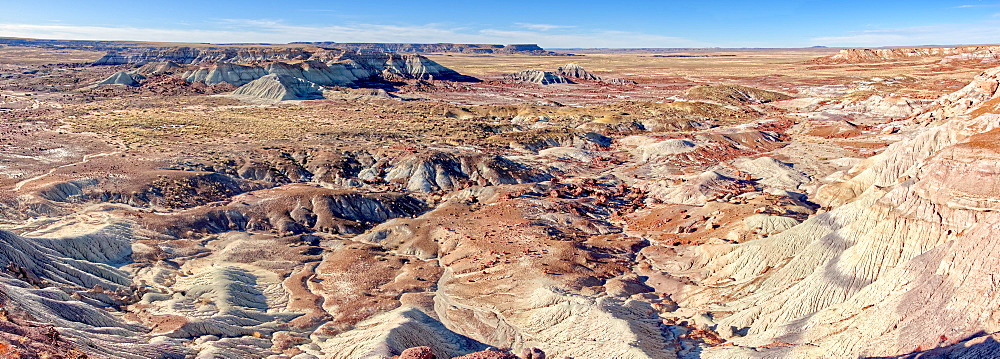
[[240, 67], [575, 71], [985, 54], [538, 77], [900, 233], [122, 78], [125, 46], [513, 49]]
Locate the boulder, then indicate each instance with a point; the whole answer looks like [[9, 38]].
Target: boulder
[[417, 353]]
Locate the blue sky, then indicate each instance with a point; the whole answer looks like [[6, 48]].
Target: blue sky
[[552, 24]]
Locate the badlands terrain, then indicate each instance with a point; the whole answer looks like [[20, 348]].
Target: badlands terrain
[[323, 200]]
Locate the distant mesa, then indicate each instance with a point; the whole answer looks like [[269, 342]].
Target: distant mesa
[[122, 78], [239, 66], [280, 87], [485, 49], [138, 56], [537, 77]]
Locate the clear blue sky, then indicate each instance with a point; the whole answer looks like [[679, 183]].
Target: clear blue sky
[[579, 23]]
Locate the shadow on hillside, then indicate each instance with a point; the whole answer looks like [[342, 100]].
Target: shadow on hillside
[[983, 348]]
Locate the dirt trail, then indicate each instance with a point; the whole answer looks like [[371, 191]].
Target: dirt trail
[[86, 158]]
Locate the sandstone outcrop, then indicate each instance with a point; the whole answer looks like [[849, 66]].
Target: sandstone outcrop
[[575, 71], [395, 332], [239, 66], [65, 278], [733, 94], [537, 77], [405, 66], [446, 171], [230, 73], [977, 94], [196, 55], [361, 93], [323, 74], [900, 54], [619, 81], [538, 139], [773, 173], [280, 87], [121, 78], [350, 70], [891, 107], [160, 68], [512, 49], [847, 282], [335, 74], [294, 209], [533, 312]]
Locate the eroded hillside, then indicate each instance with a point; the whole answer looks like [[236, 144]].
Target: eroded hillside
[[321, 203]]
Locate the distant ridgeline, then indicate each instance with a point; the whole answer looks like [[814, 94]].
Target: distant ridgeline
[[513, 49], [518, 49], [241, 65], [987, 55], [67, 44], [277, 72]]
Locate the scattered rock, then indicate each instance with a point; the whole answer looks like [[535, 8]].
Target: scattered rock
[[417, 353], [488, 354]]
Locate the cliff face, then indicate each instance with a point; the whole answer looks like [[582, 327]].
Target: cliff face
[[139, 56], [537, 77], [280, 87], [521, 49], [189, 55], [239, 66], [404, 66], [317, 72], [948, 54]]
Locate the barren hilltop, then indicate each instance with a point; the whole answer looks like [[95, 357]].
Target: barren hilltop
[[325, 200]]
